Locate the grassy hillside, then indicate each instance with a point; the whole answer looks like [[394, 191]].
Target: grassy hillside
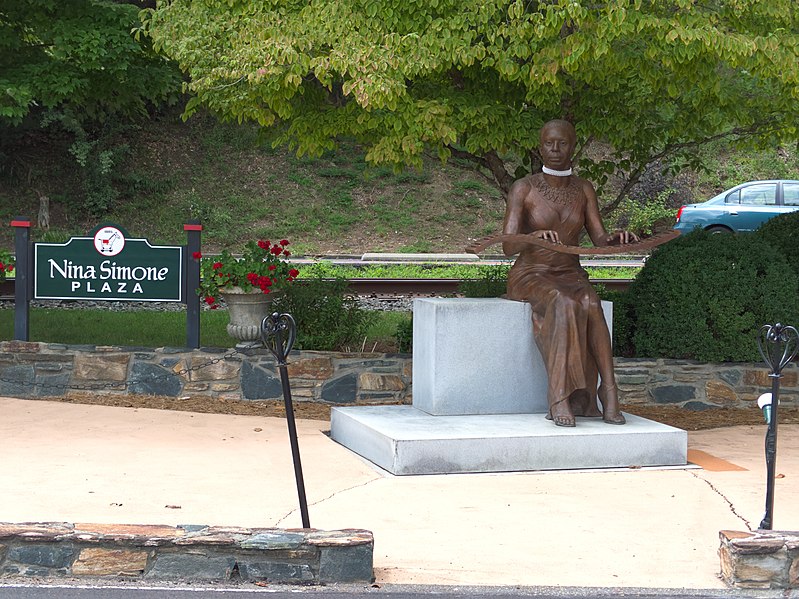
[[241, 188]]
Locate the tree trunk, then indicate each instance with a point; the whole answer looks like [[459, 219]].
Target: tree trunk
[[497, 167]]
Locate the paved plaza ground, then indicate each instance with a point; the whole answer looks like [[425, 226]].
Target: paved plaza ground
[[630, 527]]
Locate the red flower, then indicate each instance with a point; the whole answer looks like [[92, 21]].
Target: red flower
[[259, 267], [293, 272], [197, 255], [2, 267], [210, 300], [9, 268]]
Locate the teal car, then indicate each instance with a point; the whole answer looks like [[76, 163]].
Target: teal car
[[741, 209]]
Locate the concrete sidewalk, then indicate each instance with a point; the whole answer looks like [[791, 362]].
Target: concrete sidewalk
[[630, 528]]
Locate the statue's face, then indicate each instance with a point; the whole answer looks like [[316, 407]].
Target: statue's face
[[557, 145]]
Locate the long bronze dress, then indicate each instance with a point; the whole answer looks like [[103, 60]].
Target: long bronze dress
[[561, 296]]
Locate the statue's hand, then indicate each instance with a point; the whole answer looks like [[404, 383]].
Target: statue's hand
[[546, 235], [621, 237]]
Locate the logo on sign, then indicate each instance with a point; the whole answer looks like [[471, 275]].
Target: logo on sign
[[109, 241]]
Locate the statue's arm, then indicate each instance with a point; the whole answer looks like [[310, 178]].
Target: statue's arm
[[593, 223], [593, 220], [514, 216]]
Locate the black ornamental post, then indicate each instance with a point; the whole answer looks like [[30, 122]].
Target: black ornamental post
[[777, 345], [278, 332]]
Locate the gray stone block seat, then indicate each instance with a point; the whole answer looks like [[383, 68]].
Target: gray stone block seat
[[479, 404], [478, 356]]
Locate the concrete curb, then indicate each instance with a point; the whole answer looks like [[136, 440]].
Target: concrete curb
[[186, 553]]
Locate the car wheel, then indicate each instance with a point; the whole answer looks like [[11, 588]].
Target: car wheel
[[718, 229]]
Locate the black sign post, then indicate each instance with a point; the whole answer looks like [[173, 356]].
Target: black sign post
[[192, 282], [22, 268]]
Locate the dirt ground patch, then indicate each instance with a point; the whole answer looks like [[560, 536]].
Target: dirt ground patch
[[671, 415]]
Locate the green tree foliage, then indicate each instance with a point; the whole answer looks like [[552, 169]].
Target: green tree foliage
[[477, 78], [73, 71], [79, 54], [704, 297]]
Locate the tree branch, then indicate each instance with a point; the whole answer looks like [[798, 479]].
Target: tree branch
[[476, 160], [464, 155], [670, 150], [491, 161]]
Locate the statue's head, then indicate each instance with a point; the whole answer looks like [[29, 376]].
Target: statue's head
[[557, 142]]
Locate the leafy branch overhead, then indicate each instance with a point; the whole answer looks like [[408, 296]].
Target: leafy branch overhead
[[75, 67], [79, 55], [477, 78]]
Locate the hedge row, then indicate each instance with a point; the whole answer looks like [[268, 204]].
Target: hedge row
[[704, 296]]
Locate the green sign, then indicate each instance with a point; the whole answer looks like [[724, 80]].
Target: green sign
[[107, 266]]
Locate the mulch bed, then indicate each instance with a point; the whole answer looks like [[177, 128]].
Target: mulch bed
[[673, 415]]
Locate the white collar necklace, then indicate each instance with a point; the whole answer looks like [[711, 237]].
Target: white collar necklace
[[554, 173]]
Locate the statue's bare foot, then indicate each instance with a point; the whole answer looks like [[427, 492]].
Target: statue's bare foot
[[609, 396], [561, 414], [617, 418]]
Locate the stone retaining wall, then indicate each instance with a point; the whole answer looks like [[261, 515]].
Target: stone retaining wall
[[763, 559], [190, 553], [29, 369], [700, 386]]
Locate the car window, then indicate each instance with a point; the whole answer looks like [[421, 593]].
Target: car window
[[733, 198], [764, 194], [790, 194]]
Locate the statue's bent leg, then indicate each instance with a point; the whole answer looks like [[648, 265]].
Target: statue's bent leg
[[602, 350]]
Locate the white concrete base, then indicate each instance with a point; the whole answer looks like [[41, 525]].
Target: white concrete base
[[405, 440], [478, 356]]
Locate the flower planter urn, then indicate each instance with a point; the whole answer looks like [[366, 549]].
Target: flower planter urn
[[246, 310]]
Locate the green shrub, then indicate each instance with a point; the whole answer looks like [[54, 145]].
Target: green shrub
[[404, 336], [622, 320], [328, 317], [643, 217], [705, 296], [493, 282], [782, 233]]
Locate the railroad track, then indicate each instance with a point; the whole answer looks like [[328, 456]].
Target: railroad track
[[412, 287], [388, 287]]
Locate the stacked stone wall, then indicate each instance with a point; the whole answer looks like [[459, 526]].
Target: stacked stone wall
[[700, 385], [195, 553], [29, 369], [763, 559]]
